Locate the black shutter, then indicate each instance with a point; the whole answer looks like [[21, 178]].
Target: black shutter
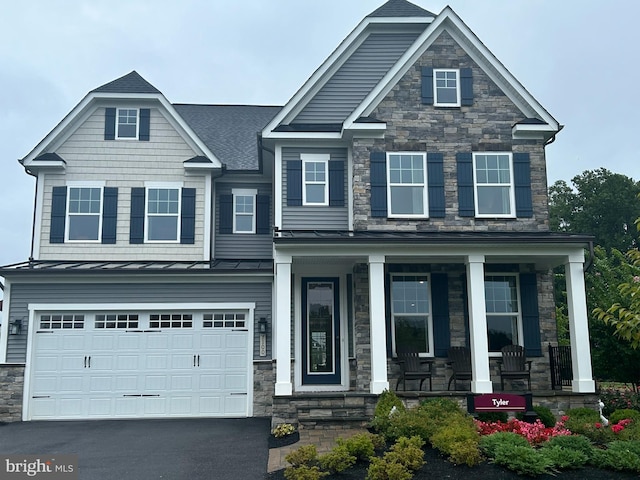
[[522, 182], [440, 310], [188, 216], [466, 203], [263, 224], [109, 214], [136, 219], [143, 130], [427, 85], [336, 183], [225, 223], [109, 123], [435, 177], [466, 87], [378, 184], [530, 314], [294, 183], [58, 214]]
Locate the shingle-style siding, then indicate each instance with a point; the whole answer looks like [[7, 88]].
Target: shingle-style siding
[[226, 290], [484, 126], [124, 164], [353, 81], [313, 217], [243, 245]]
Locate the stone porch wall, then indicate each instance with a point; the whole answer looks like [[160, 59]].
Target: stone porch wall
[[11, 387], [264, 379]]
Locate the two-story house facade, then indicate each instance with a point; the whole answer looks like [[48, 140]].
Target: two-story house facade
[[208, 260]]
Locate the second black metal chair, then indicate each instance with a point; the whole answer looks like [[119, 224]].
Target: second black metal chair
[[460, 362]]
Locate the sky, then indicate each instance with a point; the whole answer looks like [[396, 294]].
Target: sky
[[579, 59]]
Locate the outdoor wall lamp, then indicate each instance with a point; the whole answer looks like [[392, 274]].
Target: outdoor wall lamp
[[262, 325], [15, 326]]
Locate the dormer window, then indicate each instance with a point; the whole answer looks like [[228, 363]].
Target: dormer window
[[446, 88], [127, 123]]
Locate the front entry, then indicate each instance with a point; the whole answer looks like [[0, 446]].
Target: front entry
[[320, 332]]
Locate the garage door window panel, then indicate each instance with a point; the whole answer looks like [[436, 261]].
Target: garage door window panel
[[224, 320], [59, 321], [117, 321], [171, 320]]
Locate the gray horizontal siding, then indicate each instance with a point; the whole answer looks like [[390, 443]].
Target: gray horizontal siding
[[314, 218], [353, 81], [243, 246], [227, 292]]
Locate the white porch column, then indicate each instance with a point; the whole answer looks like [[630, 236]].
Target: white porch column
[[379, 381], [283, 325], [579, 325], [481, 382]]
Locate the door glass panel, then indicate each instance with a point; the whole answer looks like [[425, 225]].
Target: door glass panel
[[320, 327]]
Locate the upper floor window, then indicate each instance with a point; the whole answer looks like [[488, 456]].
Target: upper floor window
[[410, 313], [127, 123], [407, 184], [244, 210], [315, 169], [504, 323], [446, 87], [163, 213], [493, 179], [84, 214]]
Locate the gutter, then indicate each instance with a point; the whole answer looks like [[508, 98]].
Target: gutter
[[35, 205]]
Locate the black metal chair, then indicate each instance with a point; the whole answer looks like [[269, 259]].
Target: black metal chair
[[460, 363], [412, 368], [514, 365]]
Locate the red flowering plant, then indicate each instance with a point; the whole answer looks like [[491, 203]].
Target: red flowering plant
[[535, 433]]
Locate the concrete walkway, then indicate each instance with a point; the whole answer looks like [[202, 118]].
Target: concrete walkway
[[323, 438]]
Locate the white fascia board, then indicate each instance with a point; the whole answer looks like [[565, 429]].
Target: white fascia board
[[448, 20], [374, 127], [396, 20], [203, 167], [39, 165], [305, 136], [532, 132]]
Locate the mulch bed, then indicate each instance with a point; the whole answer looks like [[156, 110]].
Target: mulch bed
[[437, 467]]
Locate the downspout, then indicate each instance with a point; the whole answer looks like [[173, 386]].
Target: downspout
[[212, 224], [35, 206]]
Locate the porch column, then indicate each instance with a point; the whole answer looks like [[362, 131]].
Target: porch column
[[379, 381], [579, 325], [481, 381], [283, 325]]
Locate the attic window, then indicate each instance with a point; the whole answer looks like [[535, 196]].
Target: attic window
[[127, 123], [446, 88]]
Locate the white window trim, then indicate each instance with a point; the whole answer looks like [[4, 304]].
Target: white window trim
[[166, 186], [435, 88], [315, 158], [244, 192], [512, 194], [137, 136], [425, 193], [68, 214], [429, 315], [519, 325]]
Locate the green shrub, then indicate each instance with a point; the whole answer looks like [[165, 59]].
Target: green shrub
[[490, 443], [384, 469], [616, 398], [582, 421], [361, 446], [577, 443], [305, 455], [405, 456], [523, 460], [304, 472], [382, 412], [459, 440], [466, 453], [564, 458], [621, 456], [409, 423], [545, 415], [439, 407], [624, 413], [337, 460]]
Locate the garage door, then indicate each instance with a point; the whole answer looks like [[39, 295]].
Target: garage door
[[133, 365]]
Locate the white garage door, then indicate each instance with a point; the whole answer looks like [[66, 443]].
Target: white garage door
[[132, 365]]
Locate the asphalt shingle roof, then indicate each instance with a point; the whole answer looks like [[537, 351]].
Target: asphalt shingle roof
[[229, 131], [400, 8], [130, 83]]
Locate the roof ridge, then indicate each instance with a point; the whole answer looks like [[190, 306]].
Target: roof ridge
[[400, 8], [132, 82]]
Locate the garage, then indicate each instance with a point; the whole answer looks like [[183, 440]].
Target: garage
[[139, 363]]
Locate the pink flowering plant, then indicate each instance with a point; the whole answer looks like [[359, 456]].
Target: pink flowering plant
[[535, 433]]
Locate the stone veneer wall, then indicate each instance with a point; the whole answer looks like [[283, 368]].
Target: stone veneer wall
[[264, 379], [11, 387], [412, 126]]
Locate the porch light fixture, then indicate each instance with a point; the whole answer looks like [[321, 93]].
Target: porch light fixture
[[15, 326], [262, 325]]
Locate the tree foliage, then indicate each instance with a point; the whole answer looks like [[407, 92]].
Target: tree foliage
[[600, 203]]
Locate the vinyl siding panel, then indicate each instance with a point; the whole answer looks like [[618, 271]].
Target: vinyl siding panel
[[313, 217], [124, 164], [353, 81], [242, 246], [226, 291]]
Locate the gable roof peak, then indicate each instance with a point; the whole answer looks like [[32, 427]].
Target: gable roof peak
[[400, 8], [130, 83]]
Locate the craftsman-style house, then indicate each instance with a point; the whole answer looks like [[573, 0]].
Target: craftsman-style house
[[222, 260]]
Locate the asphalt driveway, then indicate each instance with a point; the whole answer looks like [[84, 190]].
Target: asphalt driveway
[[193, 449]]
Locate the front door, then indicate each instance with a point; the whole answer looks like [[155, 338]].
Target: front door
[[320, 332]]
